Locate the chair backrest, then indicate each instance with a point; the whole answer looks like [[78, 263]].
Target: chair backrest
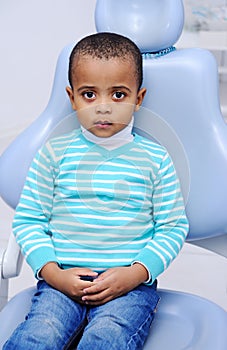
[[181, 110], [183, 91]]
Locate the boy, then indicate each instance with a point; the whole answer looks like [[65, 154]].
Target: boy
[[101, 214]]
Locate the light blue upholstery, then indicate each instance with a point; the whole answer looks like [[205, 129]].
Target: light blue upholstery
[[181, 111], [14, 313], [185, 321]]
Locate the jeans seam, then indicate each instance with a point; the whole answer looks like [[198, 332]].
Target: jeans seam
[[150, 317], [131, 340]]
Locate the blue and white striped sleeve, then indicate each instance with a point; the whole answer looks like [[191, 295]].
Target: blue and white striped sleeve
[[31, 221], [170, 222]]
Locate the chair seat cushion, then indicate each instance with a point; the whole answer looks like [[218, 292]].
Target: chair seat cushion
[[183, 321], [186, 321]]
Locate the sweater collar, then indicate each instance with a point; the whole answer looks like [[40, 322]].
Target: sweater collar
[[121, 138]]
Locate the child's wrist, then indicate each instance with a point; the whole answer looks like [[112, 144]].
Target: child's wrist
[[140, 271], [49, 271]]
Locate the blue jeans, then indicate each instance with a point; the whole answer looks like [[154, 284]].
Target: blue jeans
[[55, 320]]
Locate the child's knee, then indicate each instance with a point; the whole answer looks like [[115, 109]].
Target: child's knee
[[103, 334], [37, 335]]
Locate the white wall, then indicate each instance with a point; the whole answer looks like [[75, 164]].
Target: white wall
[[32, 33]]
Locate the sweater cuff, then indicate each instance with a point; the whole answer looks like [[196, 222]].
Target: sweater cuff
[[40, 257], [151, 262]]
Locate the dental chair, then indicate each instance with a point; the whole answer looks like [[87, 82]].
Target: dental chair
[[182, 112]]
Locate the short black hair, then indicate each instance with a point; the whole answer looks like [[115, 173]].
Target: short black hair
[[107, 45]]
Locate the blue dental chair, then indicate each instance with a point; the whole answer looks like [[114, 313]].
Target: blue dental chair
[[181, 111]]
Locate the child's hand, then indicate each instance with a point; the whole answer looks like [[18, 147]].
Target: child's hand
[[114, 283], [67, 281]]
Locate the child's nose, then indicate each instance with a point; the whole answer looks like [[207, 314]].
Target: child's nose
[[103, 108]]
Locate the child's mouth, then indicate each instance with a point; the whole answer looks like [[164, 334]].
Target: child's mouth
[[103, 124]]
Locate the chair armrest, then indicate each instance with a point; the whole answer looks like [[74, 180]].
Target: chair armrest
[[3, 282], [11, 259]]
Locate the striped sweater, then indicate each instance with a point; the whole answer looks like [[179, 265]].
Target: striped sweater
[[85, 206]]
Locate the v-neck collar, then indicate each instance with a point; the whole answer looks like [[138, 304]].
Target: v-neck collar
[[110, 153]]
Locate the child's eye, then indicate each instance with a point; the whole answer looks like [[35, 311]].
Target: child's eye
[[118, 95], [89, 95]]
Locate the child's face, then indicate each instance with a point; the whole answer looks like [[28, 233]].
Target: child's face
[[105, 94]]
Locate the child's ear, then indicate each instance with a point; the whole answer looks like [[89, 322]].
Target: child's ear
[[140, 97], [70, 93]]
